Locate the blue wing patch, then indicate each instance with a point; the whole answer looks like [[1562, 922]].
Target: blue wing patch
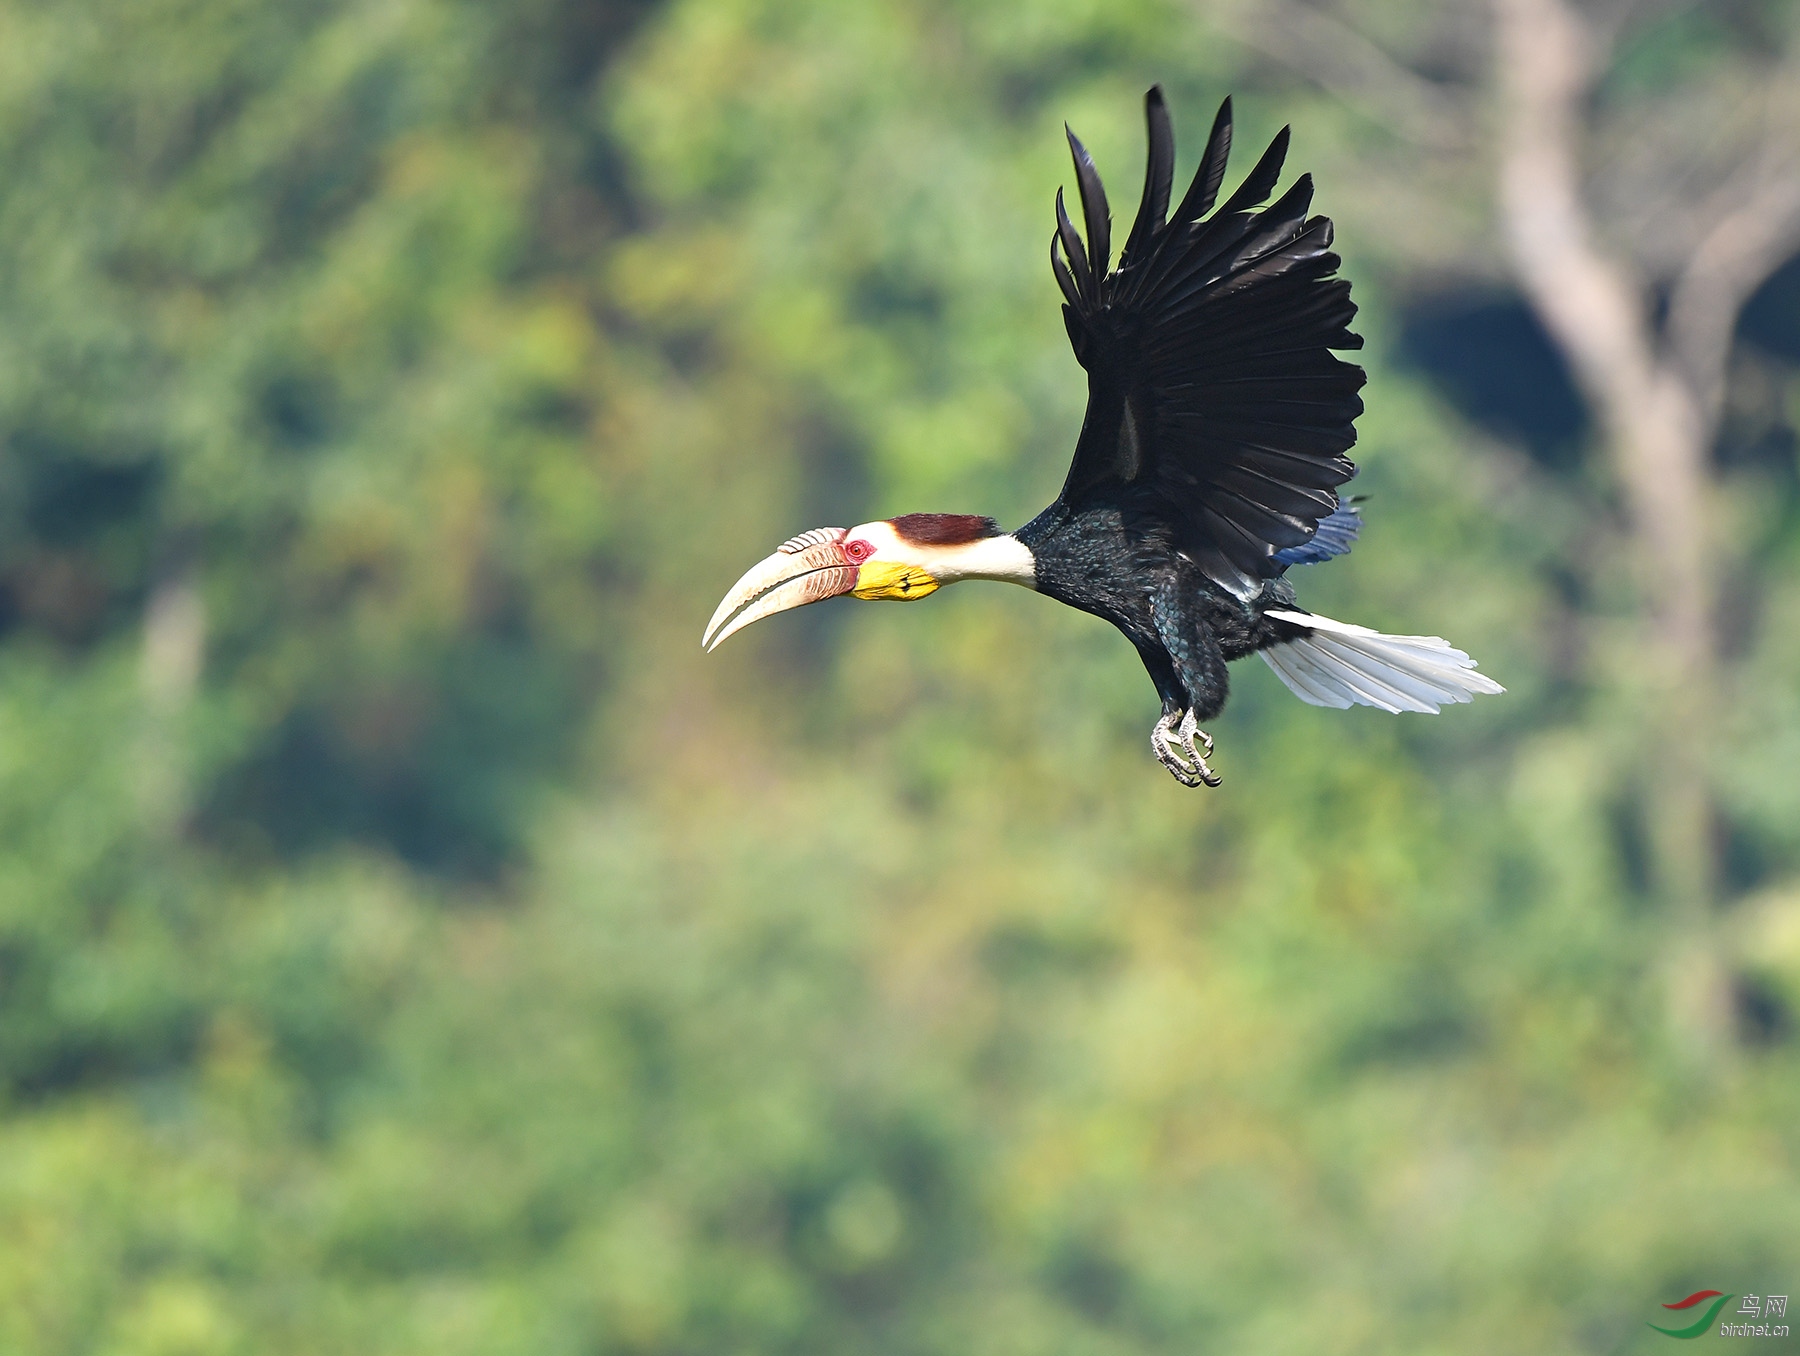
[[1333, 537]]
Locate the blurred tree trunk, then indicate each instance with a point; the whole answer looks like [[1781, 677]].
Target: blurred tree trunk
[[1656, 391], [1598, 315], [1657, 400], [170, 660]]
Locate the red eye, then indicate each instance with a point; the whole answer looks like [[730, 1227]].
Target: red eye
[[856, 552]]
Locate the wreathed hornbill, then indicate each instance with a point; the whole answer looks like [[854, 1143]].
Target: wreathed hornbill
[[1209, 461]]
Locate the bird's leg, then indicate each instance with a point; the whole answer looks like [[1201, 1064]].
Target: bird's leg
[[1188, 667], [1164, 746], [1190, 731]]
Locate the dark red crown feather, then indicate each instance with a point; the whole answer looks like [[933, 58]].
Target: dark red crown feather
[[944, 529]]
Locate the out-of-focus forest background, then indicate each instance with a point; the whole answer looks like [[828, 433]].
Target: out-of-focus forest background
[[411, 943]]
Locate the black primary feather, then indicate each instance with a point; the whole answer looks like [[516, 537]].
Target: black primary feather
[[1061, 270], [1204, 191], [1261, 180], [1095, 214], [1072, 246], [1159, 178], [1218, 416]]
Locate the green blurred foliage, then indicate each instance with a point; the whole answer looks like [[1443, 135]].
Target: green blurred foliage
[[410, 943]]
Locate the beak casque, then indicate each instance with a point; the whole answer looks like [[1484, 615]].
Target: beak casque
[[804, 569]]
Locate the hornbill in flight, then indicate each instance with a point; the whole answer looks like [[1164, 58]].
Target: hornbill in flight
[[1209, 462]]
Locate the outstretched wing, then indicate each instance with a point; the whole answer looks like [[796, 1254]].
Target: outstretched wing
[[1215, 403]]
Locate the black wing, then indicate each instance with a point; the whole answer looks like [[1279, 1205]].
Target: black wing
[[1214, 401]]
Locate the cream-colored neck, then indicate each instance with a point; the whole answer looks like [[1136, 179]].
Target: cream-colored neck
[[1004, 557]]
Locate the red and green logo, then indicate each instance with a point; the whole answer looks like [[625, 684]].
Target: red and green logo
[[1719, 1301]]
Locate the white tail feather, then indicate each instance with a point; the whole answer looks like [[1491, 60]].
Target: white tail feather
[[1342, 665]]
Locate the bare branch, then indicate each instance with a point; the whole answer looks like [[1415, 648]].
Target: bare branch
[[1732, 261], [1348, 65], [1664, 167], [1756, 228], [1610, 18]]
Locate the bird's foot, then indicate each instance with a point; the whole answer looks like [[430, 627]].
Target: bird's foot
[[1160, 745], [1176, 749], [1188, 732]]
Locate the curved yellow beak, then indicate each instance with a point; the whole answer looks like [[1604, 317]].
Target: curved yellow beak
[[804, 569]]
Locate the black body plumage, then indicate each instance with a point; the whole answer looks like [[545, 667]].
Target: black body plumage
[[1218, 414]]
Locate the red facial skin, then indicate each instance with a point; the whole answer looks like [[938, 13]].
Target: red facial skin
[[856, 552]]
